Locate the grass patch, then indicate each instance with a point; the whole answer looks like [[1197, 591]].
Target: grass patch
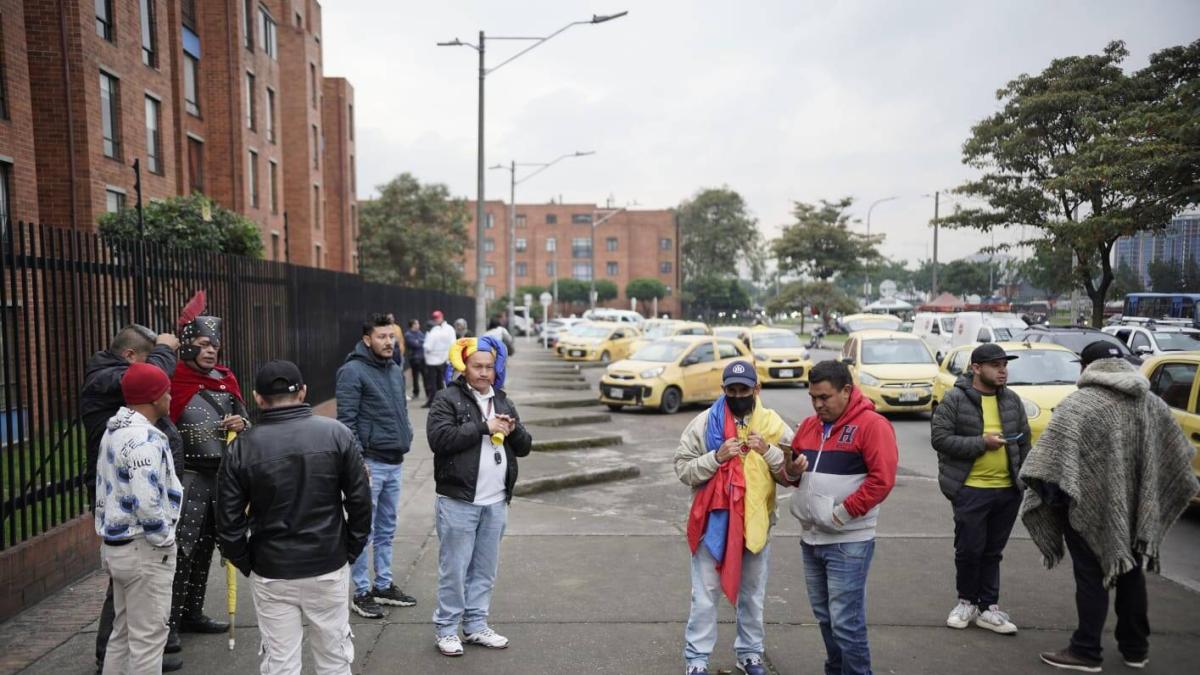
[[25, 467]]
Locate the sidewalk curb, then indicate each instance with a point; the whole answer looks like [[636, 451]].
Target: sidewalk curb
[[563, 402], [565, 386], [576, 479], [578, 443], [568, 420]]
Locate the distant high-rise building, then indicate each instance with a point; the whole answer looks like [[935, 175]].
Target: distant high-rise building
[[1178, 244]]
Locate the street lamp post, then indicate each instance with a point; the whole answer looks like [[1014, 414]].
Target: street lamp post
[[480, 284], [512, 219], [877, 202]]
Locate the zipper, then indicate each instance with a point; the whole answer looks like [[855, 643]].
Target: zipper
[[821, 448]]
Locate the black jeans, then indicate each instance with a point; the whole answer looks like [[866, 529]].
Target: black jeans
[[1091, 603], [983, 519], [434, 380], [104, 630], [418, 374]]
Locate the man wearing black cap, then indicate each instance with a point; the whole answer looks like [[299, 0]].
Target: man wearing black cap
[[981, 434], [309, 516]]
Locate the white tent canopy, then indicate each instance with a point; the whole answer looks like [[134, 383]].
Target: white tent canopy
[[888, 305]]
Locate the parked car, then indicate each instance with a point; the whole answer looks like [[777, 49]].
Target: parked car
[[1147, 338], [936, 330], [669, 328], [779, 356], [1172, 376], [670, 372], [555, 328], [735, 332], [978, 327], [603, 341], [893, 369], [1076, 338], [1043, 374], [617, 315], [856, 322]]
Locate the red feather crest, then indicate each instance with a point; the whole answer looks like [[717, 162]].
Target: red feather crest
[[193, 309]]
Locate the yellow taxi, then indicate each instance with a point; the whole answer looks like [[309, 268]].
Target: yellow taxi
[[779, 356], [1172, 376], [671, 371], [893, 369], [1042, 375], [597, 341], [852, 323], [661, 328], [733, 332]]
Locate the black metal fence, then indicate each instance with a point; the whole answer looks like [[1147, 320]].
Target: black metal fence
[[64, 294]]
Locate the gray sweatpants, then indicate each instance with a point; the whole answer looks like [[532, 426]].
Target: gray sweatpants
[[141, 576], [283, 604]]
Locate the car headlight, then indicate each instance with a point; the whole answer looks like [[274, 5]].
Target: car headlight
[[653, 372], [1031, 409], [868, 379], [762, 357], [804, 354]]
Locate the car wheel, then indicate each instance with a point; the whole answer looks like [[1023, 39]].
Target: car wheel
[[605, 357], [672, 398], [615, 407]]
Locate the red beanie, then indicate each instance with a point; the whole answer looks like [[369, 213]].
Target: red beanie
[[144, 383]]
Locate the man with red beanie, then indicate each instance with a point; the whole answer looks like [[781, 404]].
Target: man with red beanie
[[138, 497]]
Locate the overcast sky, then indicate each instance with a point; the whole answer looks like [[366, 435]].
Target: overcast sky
[[781, 100]]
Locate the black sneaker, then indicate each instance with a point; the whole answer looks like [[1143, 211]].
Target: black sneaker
[[393, 596], [1067, 660], [365, 606]]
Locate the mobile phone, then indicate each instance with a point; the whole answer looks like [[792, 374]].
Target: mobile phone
[[1015, 437]]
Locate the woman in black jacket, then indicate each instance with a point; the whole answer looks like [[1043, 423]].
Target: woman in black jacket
[[476, 437]]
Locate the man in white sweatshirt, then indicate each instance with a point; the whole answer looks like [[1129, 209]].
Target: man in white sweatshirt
[[437, 351], [138, 497]]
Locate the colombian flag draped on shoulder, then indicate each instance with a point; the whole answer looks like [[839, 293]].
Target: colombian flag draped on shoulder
[[732, 511]]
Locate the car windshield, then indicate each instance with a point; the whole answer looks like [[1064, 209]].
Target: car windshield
[[663, 352], [894, 351], [1177, 342], [1043, 366], [659, 331], [591, 331], [1006, 334], [1077, 341], [881, 322], [727, 332], [947, 324], [775, 340]]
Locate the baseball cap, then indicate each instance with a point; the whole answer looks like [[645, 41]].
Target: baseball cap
[[988, 352], [1100, 349], [739, 372], [278, 377], [437, 314]]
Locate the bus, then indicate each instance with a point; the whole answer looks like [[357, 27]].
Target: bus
[[1163, 306]]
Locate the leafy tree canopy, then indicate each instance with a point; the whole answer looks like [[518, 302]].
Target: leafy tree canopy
[[717, 233], [820, 244], [192, 221]]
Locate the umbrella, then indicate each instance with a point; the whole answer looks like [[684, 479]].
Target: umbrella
[[231, 577]]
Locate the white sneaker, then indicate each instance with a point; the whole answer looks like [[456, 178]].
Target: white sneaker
[[1138, 664], [449, 645], [996, 621], [487, 638], [962, 615]]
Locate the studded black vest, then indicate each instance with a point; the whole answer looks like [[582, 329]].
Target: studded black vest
[[200, 426]]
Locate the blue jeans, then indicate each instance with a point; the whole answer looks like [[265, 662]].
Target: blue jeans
[[385, 498], [836, 576], [700, 636], [468, 559]]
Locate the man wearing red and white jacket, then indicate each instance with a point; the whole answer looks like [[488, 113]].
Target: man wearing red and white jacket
[[851, 453]]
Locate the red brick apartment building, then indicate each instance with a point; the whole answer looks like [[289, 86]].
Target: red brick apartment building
[[556, 240], [223, 97]]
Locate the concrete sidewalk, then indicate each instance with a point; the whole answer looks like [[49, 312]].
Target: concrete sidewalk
[[595, 579]]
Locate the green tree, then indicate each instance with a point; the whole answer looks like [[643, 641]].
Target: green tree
[[573, 290], [645, 288], [717, 232], [1191, 276], [1069, 156], [1125, 281], [823, 297], [710, 294], [530, 289], [963, 277], [193, 222], [820, 243], [1165, 276], [413, 235], [606, 290]]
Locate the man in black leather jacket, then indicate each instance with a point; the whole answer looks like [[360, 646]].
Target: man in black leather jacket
[[293, 511]]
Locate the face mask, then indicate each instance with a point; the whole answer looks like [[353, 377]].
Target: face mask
[[740, 406]]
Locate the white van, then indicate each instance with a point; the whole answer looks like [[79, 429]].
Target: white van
[[977, 327], [617, 315], [936, 329]]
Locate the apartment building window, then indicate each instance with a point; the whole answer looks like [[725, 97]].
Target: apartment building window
[[610, 244], [196, 164], [489, 270], [110, 115], [581, 247], [312, 80], [154, 162], [252, 178], [351, 121], [251, 113], [114, 200], [273, 177], [551, 269], [248, 24], [3, 78], [149, 33], [5, 201], [581, 271], [266, 25], [664, 268], [299, 21], [489, 244], [490, 293], [521, 245], [270, 114], [318, 256], [316, 207], [191, 84], [520, 220], [551, 244], [551, 219], [275, 246], [611, 269], [522, 269], [353, 177], [581, 218], [489, 221], [664, 244], [105, 25], [187, 11], [316, 145]]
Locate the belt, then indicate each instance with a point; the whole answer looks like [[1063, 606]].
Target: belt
[[117, 542]]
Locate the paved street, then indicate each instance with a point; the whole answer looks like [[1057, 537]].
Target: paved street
[[594, 578]]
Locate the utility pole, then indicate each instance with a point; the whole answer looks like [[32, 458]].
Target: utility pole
[[512, 248], [480, 282], [934, 292]]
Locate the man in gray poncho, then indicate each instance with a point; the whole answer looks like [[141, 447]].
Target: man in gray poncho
[[1110, 475]]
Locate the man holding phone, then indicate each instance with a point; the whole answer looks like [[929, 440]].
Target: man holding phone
[[981, 434]]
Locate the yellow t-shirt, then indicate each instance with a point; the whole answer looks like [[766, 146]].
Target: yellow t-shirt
[[991, 468]]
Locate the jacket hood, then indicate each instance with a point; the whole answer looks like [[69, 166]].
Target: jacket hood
[[1117, 375], [363, 353], [102, 360], [856, 406], [127, 417], [967, 384]]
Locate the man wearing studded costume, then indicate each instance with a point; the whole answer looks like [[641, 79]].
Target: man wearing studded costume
[[208, 408]]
